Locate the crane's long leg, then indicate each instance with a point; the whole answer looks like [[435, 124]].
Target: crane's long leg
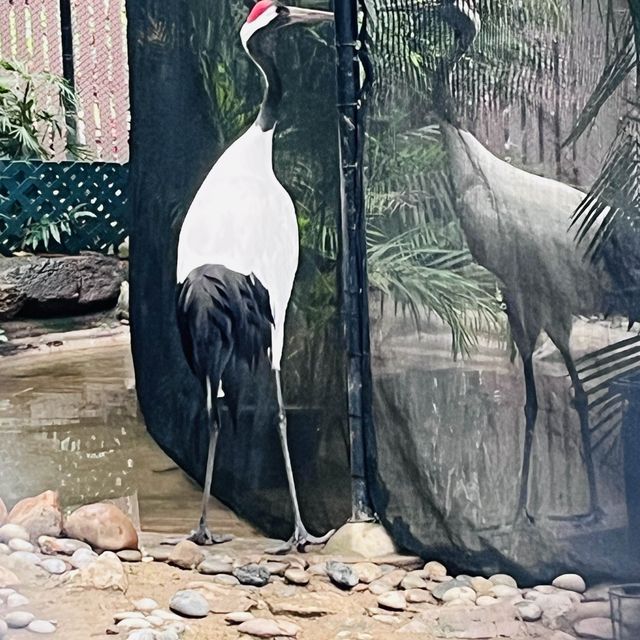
[[530, 415], [301, 537], [581, 403], [203, 536]]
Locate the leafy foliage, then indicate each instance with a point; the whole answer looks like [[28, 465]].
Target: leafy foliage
[[29, 127], [53, 226]]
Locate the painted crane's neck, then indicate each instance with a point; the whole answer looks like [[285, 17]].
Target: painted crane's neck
[[262, 51]]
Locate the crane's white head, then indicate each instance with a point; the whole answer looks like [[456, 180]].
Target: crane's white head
[[269, 15]]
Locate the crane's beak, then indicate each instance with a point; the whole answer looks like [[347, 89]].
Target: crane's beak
[[298, 15]]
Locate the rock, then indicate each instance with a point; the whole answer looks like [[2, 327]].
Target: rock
[[318, 569], [225, 579], [418, 596], [124, 615], [394, 577], [5, 593], [594, 628], [146, 605], [54, 565], [302, 606], [504, 591], [186, 555], [238, 617], [103, 526], [413, 581], [3, 512], [57, 285], [164, 615], [40, 515], [481, 585], [189, 603], [41, 626], [82, 557], [378, 587], [503, 579], [229, 603], [267, 628], [529, 611], [554, 608], [439, 591], [10, 531], [386, 618], [252, 574], [342, 575], [570, 582], [106, 572], [18, 619], [297, 576], [393, 600], [18, 544], [598, 593], [4, 549], [17, 600], [366, 539], [129, 555], [214, 567], [3, 629], [486, 601], [459, 593], [27, 558], [142, 634], [133, 623], [435, 570], [60, 546], [367, 572]]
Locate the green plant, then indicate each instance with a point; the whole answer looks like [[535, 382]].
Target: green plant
[[38, 233], [29, 126]]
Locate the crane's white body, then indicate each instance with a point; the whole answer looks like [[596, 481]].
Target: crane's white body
[[243, 219]]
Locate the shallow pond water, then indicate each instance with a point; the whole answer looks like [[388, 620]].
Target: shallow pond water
[[69, 420]]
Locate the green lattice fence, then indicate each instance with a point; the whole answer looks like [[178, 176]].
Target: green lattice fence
[[29, 190]]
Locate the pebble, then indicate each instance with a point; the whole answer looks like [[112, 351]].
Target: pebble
[[3, 629], [529, 611], [11, 531], [167, 634], [367, 572], [142, 634], [134, 623], [481, 585], [19, 619], [238, 617], [82, 557], [190, 604], [416, 596], [164, 615], [342, 575], [18, 544], [54, 565], [268, 628], [504, 591], [63, 546], [225, 579], [276, 568], [297, 576], [4, 549], [504, 579], [123, 615], [28, 557], [435, 570], [252, 574], [318, 569], [394, 577], [570, 582], [17, 600], [213, 567], [5, 593], [129, 555], [439, 591], [460, 593], [486, 601], [413, 581], [7, 578], [393, 600], [186, 555], [595, 628], [385, 618], [378, 587], [146, 604], [41, 626]]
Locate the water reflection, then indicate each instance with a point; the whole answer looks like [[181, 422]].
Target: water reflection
[[70, 421]]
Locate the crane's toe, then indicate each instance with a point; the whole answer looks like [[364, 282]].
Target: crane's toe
[[204, 537], [299, 541]]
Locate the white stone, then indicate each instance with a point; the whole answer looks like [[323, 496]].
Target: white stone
[[41, 626], [18, 544], [146, 604], [10, 531], [570, 582]]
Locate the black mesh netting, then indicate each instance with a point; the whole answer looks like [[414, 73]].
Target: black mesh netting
[[496, 284]]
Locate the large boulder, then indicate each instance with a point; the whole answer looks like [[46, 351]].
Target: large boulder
[[40, 515], [103, 526], [44, 285]]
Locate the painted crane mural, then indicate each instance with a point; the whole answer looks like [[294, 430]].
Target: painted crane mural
[[238, 256]]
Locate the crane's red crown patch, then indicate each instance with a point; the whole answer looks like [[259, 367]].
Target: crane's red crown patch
[[259, 8]]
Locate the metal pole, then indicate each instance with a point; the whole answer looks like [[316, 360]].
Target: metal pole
[[355, 304], [68, 69]]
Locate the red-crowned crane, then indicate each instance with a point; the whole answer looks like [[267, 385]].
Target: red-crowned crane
[[238, 256]]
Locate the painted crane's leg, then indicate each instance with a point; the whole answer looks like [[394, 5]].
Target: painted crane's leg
[[530, 416], [203, 536], [301, 537], [581, 403]]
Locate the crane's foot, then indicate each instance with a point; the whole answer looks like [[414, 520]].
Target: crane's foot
[[204, 537], [299, 541]]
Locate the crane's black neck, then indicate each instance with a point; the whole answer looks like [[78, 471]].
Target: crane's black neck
[[261, 48]]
